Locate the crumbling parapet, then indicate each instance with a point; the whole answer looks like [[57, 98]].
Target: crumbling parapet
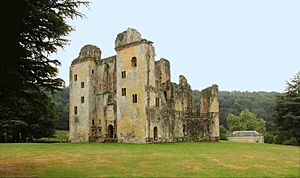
[[126, 37], [88, 52], [130, 37]]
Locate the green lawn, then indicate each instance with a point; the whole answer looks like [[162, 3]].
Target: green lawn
[[218, 159]]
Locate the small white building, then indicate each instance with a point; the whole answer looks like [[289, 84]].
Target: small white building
[[246, 136]]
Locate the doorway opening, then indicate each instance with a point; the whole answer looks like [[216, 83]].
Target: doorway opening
[[155, 133], [110, 131]]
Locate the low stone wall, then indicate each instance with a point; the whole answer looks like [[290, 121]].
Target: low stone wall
[[254, 138]]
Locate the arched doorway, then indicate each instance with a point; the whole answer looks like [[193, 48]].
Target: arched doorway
[[110, 131], [155, 133]]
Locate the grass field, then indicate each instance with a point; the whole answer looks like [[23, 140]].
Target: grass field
[[219, 159]]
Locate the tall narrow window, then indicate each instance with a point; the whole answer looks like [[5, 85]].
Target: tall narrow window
[[93, 122], [134, 98], [82, 84], [155, 133], [123, 74], [157, 102], [75, 77], [82, 99], [165, 93], [92, 71], [123, 91], [133, 62], [75, 109]]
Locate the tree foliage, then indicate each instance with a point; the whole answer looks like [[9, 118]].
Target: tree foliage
[[61, 100], [25, 110], [287, 110], [246, 120]]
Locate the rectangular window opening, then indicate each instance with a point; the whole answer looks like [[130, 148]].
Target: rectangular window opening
[[165, 93], [82, 99], [123, 74], [157, 102], [133, 62], [82, 84], [75, 109], [75, 77], [134, 98], [123, 91]]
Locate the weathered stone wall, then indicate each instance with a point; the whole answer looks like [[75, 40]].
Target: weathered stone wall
[[106, 98], [162, 72], [169, 117], [209, 108]]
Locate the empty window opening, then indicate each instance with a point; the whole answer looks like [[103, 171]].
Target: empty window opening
[[157, 102], [123, 91], [155, 133], [165, 93], [75, 77], [110, 131], [92, 71], [133, 62], [134, 98], [123, 74], [82, 99], [75, 109], [183, 128], [82, 84], [93, 122]]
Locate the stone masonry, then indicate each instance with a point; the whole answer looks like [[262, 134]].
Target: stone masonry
[[129, 97]]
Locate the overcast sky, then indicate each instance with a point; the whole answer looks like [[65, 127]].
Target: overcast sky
[[247, 45]]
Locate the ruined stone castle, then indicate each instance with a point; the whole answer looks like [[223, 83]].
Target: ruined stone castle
[[129, 97]]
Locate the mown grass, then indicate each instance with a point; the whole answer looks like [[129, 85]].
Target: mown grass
[[218, 159]]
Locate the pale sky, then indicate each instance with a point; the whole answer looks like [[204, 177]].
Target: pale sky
[[246, 45]]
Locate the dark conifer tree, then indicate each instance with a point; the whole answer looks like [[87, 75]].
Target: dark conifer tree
[[25, 110]]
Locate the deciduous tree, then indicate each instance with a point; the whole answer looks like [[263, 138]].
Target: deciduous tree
[[246, 120]]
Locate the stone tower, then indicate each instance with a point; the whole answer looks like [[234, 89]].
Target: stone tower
[[135, 75], [82, 88]]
